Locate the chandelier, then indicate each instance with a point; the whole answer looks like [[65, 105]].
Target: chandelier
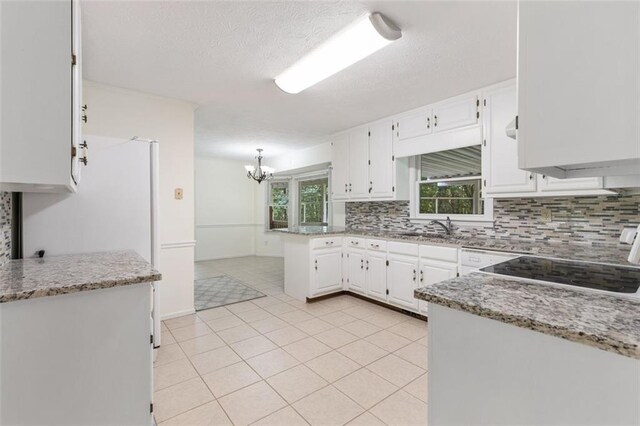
[[261, 172]]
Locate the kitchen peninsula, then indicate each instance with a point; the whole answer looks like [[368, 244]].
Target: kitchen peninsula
[[75, 340]]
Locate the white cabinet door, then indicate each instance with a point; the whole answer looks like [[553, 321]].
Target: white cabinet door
[[359, 163], [402, 280], [78, 109], [502, 174], [455, 113], [376, 267], [356, 273], [326, 272], [340, 167], [574, 106], [548, 184], [417, 123], [382, 162], [432, 272]]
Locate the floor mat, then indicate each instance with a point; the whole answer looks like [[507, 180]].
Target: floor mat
[[221, 290]]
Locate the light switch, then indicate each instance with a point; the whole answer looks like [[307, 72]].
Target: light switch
[[178, 193]]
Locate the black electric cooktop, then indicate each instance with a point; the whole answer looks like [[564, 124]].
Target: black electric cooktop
[[618, 279]]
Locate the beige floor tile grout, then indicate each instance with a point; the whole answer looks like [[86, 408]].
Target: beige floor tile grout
[[271, 276]]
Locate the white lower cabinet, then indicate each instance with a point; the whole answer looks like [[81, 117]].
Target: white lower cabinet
[[402, 280], [355, 271], [376, 267], [326, 273], [431, 272]]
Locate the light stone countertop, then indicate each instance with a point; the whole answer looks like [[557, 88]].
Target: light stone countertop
[[50, 276], [614, 254], [605, 322]]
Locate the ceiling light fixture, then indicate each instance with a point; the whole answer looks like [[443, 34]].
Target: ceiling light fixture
[[261, 172], [355, 42]]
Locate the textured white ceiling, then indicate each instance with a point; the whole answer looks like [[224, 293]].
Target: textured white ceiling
[[224, 56]]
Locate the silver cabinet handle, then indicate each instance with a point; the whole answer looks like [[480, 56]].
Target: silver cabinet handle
[[428, 122], [367, 265], [414, 275], [316, 265], [435, 121], [349, 187], [346, 187], [355, 243], [361, 263], [421, 275]]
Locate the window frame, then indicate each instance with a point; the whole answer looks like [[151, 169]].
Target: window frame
[[268, 203], [326, 202], [293, 207], [414, 198]]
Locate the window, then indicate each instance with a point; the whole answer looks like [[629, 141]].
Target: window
[[449, 183], [313, 202], [278, 205]]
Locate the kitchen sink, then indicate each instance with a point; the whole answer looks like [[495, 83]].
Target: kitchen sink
[[423, 234]]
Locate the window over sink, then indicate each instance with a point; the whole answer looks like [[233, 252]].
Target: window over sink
[[449, 184]]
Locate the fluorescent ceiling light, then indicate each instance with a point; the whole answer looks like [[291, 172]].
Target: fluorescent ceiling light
[[355, 42]]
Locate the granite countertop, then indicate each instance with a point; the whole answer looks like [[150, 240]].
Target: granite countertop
[[606, 322], [615, 254], [50, 276]]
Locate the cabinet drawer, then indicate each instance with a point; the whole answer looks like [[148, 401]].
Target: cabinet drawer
[[480, 259], [355, 242], [403, 248], [446, 254], [329, 242], [377, 245]]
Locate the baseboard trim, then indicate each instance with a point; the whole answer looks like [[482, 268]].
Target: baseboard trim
[[225, 257], [374, 301], [177, 314]]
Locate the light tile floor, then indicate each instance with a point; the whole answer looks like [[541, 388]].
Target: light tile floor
[[278, 361]]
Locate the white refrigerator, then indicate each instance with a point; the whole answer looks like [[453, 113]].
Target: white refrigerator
[[115, 208]]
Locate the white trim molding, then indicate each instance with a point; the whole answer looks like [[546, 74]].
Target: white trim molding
[[178, 244]]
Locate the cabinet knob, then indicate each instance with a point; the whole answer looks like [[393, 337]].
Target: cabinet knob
[[85, 107], [531, 176]]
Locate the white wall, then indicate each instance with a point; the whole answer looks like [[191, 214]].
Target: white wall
[[122, 113], [225, 210]]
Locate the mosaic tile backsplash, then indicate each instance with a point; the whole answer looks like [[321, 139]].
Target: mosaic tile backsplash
[[597, 219], [5, 227]]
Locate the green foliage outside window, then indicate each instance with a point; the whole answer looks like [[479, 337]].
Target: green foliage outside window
[[313, 202], [454, 197]]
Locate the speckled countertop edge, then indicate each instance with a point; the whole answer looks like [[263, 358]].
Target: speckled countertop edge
[[598, 253], [602, 321], [56, 275]]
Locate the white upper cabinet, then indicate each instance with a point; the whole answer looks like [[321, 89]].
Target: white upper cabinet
[[414, 124], [363, 166], [550, 184], [381, 160], [340, 167], [41, 96], [453, 114], [500, 152], [502, 175], [359, 163], [578, 88]]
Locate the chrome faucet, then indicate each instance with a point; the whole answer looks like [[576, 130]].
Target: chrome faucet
[[447, 227]]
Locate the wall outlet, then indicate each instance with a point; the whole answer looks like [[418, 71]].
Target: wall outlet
[[546, 215], [178, 193]]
